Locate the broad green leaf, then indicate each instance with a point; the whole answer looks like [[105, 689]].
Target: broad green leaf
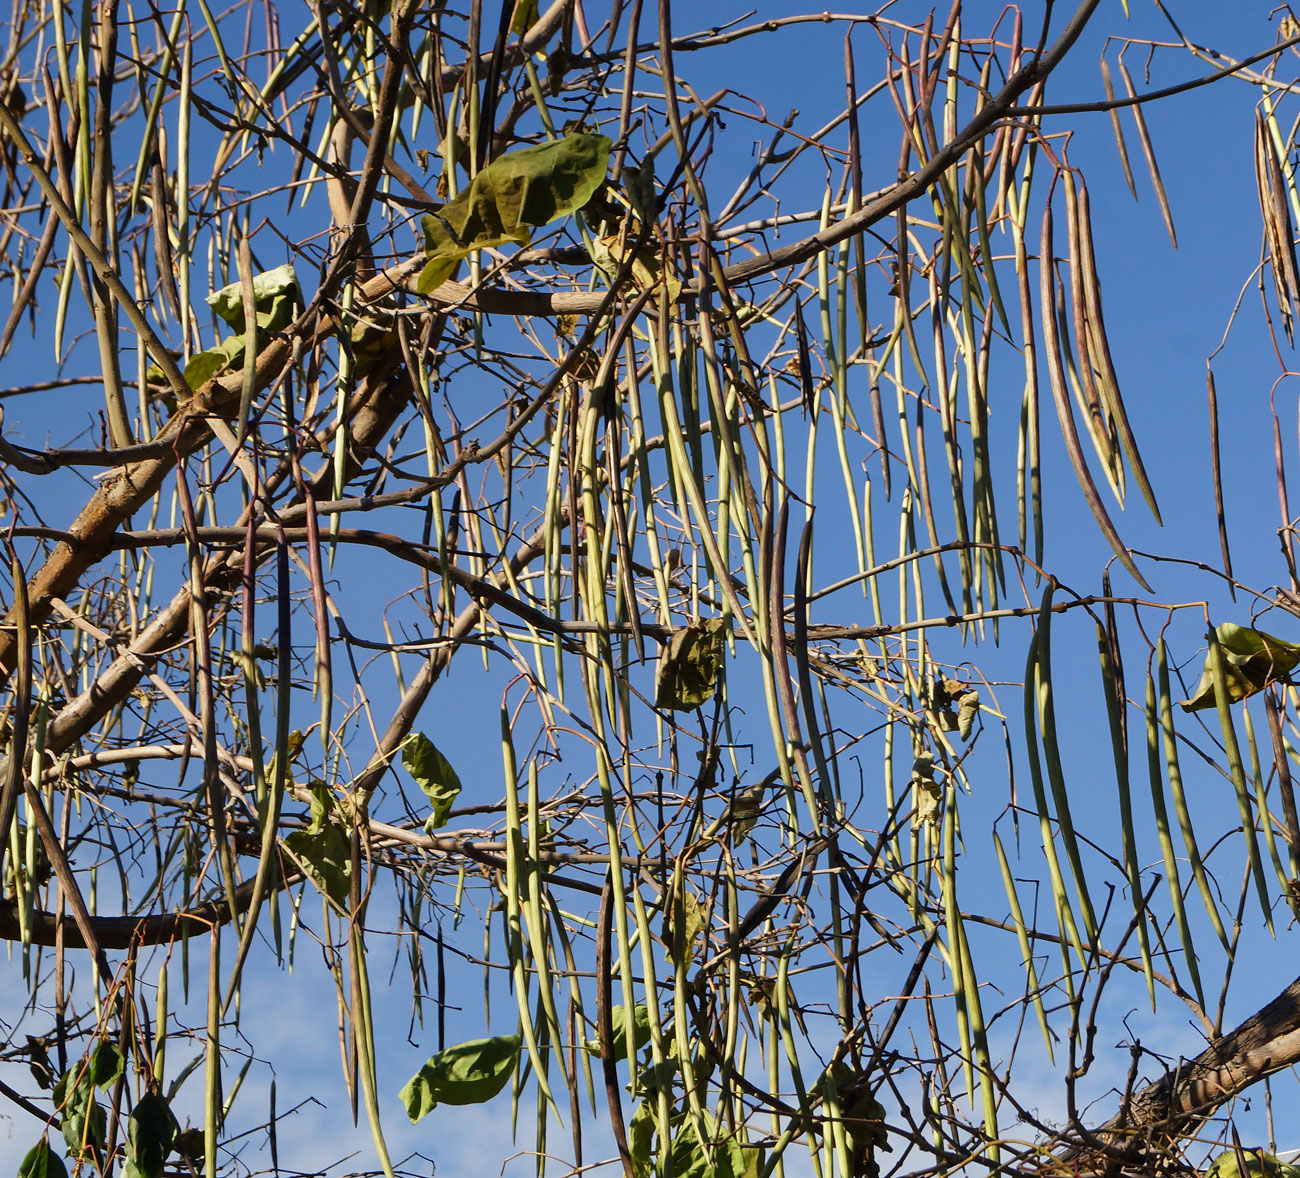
[[512, 196], [433, 774], [691, 1158], [106, 1065], [640, 1031], [42, 1162], [688, 672], [641, 1139], [1258, 1165], [326, 856], [150, 1133], [83, 1122], [1251, 661], [469, 1073], [276, 295]]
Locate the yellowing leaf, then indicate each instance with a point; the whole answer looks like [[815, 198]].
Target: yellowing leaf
[[1258, 1165], [1251, 661], [469, 1073], [511, 197]]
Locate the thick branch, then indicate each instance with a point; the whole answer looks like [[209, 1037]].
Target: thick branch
[[1173, 1106]]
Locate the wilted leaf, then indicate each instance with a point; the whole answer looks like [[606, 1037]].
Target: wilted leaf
[[106, 1064], [150, 1133], [640, 1031], [326, 857], [694, 923], [42, 1162], [688, 674], [433, 775], [469, 1073], [649, 266], [1251, 661], [1258, 1165], [927, 794], [276, 295], [745, 811], [968, 707], [507, 200]]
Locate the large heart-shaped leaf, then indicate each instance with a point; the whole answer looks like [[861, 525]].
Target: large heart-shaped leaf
[[512, 196], [469, 1073], [150, 1134]]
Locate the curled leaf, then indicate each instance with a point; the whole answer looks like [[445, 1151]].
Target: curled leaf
[[1251, 661], [1258, 1164], [927, 793], [968, 707], [433, 774]]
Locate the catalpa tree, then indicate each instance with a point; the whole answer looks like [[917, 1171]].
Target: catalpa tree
[[537, 577]]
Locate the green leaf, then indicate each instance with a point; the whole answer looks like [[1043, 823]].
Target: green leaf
[[469, 1073], [83, 1121], [204, 366], [641, 1138], [326, 857], [1251, 661], [508, 199], [42, 1162], [688, 673], [691, 1158], [640, 1031], [433, 774], [1258, 1165], [106, 1065], [150, 1133], [276, 295]]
